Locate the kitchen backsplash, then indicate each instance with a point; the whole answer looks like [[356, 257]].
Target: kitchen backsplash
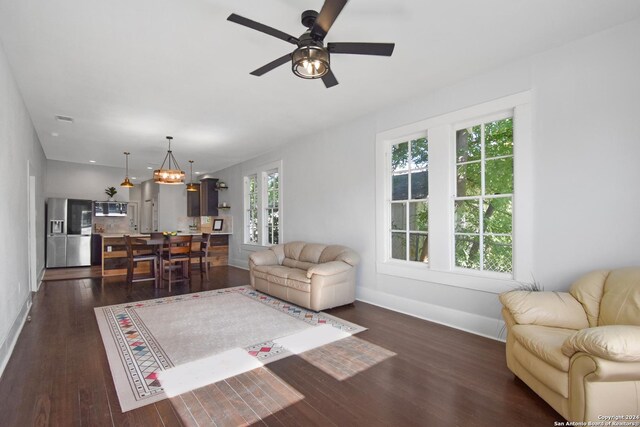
[[111, 225]]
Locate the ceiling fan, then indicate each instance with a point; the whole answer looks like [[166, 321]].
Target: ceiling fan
[[311, 58]]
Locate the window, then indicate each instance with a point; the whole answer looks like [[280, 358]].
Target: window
[[409, 194], [251, 214], [446, 204], [263, 205], [483, 204], [271, 210]]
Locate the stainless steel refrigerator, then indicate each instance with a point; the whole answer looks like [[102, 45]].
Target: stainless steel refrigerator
[[68, 233]]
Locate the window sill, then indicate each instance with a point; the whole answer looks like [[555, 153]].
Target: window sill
[[485, 282]]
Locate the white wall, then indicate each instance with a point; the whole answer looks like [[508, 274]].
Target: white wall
[[83, 181], [586, 104], [21, 154]]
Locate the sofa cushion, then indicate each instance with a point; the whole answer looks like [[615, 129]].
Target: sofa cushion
[[293, 249], [588, 291], [616, 342], [339, 253], [620, 304], [311, 252], [284, 276], [544, 342], [302, 265], [556, 309]]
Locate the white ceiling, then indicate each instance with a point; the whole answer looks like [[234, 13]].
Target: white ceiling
[[131, 72]]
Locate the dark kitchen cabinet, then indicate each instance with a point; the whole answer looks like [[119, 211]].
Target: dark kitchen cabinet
[[193, 202], [208, 196]]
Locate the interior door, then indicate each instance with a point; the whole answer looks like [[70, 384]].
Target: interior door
[[132, 214]]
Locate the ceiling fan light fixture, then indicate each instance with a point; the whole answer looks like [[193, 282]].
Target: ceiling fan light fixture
[[171, 175], [310, 62]]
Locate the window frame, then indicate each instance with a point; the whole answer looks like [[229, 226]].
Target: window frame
[[442, 171], [261, 173]]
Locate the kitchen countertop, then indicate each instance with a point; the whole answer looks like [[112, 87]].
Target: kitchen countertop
[[138, 235]]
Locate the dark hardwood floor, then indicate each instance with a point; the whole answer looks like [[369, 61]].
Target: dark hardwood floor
[[58, 374]]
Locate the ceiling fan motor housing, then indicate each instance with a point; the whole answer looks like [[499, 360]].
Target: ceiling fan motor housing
[[308, 18]]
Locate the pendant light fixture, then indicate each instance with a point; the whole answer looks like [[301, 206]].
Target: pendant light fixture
[[170, 175], [191, 186], [126, 183]]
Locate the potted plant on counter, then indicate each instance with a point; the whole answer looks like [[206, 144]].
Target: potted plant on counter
[[110, 191]]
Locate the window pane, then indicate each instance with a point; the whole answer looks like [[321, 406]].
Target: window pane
[[499, 176], [498, 138], [400, 187], [419, 154], [467, 252], [418, 216], [468, 180], [467, 216], [399, 246], [418, 247], [273, 190], [468, 142], [398, 216], [419, 185], [399, 171], [498, 253], [498, 215]]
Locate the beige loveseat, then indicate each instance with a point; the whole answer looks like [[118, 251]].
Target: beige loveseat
[[579, 351], [310, 275]]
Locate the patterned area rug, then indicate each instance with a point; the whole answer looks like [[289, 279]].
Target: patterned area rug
[[146, 337]]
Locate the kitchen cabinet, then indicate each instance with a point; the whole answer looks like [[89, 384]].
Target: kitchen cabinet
[[193, 202], [208, 196]]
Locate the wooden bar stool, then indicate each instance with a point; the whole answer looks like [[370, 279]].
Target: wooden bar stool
[[203, 254], [133, 259], [177, 250]]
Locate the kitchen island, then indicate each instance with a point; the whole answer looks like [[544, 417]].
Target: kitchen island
[[114, 252]]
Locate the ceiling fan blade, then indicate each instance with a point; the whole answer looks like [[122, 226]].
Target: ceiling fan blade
[[271, 65], [381, 49], [329, 79], [327, 16], [262, 28]]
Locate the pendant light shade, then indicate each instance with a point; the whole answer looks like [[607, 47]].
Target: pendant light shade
[[172, 174], [191, 186], [126, 183]]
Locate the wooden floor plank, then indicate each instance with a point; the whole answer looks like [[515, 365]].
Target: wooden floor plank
[[59, 375]]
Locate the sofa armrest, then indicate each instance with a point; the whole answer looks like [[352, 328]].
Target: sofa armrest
[[555, 309], [619, 343], [328, 268], [267, 257]]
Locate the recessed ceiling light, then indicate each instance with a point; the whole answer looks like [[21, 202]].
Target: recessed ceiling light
[[149, 167], [65, 119], [92, 161], [54, 133], [196, 172], [133, 177]]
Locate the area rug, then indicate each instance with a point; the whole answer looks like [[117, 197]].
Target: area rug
[[144, 338]]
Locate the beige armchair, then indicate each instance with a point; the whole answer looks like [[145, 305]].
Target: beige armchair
[[310, 275], [579, 351]]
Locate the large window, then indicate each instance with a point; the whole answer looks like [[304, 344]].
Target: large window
[[483, 204], [454, 196], [409, 194], [263, 205]]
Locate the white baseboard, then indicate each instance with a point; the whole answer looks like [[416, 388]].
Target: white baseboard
[[6, 348], [239, 263], [468, 322], [40, 277]]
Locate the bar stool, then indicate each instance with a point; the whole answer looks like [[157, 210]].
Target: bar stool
[[203, 253], [132, 260], [177, 250]]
